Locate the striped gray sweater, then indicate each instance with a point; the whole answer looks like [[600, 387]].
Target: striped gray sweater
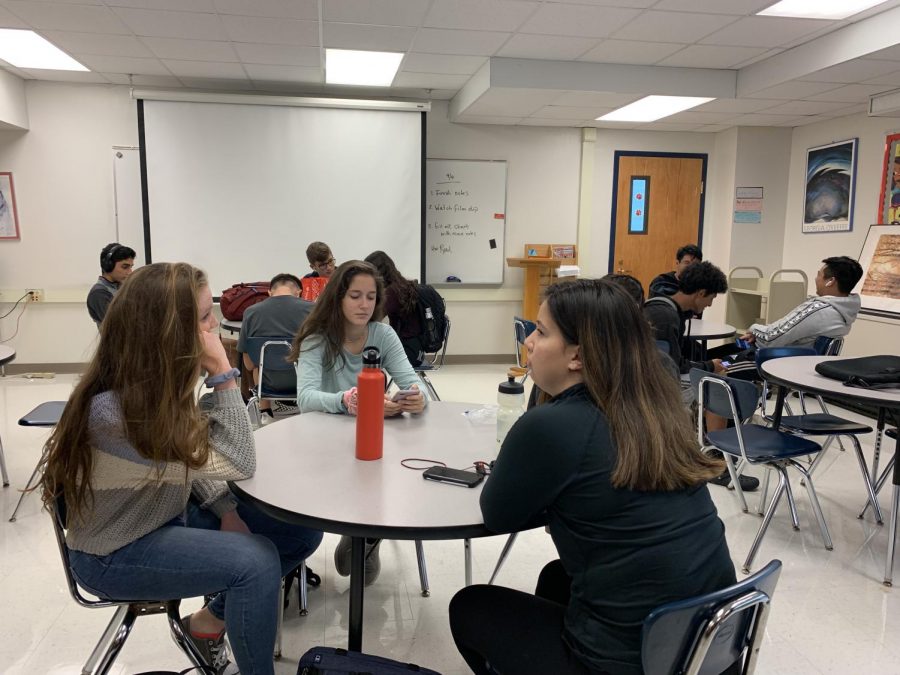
[[133, 496]]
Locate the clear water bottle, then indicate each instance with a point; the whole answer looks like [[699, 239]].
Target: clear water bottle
[[511, 399]]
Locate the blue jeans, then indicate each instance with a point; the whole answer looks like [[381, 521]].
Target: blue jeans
[[181, 560]]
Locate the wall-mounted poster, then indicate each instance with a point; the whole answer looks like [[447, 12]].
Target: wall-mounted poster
[[889, 203], [829, 187], [9, 218], [879, 288]]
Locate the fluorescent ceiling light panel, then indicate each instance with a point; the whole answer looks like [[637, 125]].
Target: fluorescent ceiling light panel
[[368, 69], [27, 49], [818, 9], [652, 108]]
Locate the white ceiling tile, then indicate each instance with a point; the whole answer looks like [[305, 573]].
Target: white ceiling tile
[[260, 73], [890, 80], [805, 107], [143, 80], [384, 12], [794, 89], [850, 110], [713, 128], [631, 51], [284, 55], [487, 119], [188, 25], [10, 20], [371, 38], [740, 7], [760, 57], [191, 50], [475, 42], [442, 94], [637, 4], [669, 126], [281, 9], [530, 46], [710, 56], [545, 122], [87, 19], [890, 54], [442, 63], [430, 80], [612, 125], [92, 43], [852, 72], [561, 112], [65, 76], [173, 5], [205, 69], [217, 84], [851, 93], [764, 31], [673, 26], [578, 20], [124, 64], [762, 120], [501, 15], [591, 99], [737, 105], [520, 102], [696, 116], [290, 88], [264, 30]]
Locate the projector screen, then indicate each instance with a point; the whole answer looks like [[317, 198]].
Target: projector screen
[[240, 190]]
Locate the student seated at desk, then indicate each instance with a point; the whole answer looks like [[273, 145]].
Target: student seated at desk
[[116, 264], [612, 462], [400, 305], [328, 351], [143, 473]]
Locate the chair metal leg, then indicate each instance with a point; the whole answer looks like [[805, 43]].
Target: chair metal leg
[[773, 505], [427, 382], [304, 598], [882, 479], [279, 622], [792, 505], [876, 453], [736, 482], [177, 632], [467, 553], [3, 466], [870, 490], [111, 628], [817, 509], [892, 539], [504, 554], [34, 475], [423, 570], [764, 492], [117, 634]]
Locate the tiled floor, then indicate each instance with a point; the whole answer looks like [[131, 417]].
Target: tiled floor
[[831, 613]]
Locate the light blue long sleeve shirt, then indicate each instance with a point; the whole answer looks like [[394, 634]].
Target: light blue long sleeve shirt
[[323, 389]]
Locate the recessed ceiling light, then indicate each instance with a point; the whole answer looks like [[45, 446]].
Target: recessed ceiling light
[[27, 49], [818, 9], [652, 108], [369, 69]]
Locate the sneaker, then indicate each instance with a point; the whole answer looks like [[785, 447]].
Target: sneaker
[[282, 409], [748, 483], [212, 649], [373, 561]]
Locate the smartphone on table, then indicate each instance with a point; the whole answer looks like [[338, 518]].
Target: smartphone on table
[[444, 474]]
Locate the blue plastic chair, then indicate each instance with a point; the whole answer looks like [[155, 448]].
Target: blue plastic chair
[[269, 354], [822, 424], [708, 634], [736, 400]]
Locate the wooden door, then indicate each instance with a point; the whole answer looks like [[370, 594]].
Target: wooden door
[[672, 212]]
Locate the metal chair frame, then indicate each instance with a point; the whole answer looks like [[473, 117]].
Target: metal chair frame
[[258, 391], [780, 465], [34, 418], [433, 362], [119, 627]]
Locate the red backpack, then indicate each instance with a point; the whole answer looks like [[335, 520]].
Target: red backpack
[[239, 297]]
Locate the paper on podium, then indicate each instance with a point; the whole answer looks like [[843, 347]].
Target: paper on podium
[[568, 271]]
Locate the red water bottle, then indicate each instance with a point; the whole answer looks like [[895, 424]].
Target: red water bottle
[[370, 414]]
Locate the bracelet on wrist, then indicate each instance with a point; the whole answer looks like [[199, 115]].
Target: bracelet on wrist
[[222, 378]]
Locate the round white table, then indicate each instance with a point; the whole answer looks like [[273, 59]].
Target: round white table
[[703, 330], [799, 372], [307, 473], [7, 354], [231, 326]]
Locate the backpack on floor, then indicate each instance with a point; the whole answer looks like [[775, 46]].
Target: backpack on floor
[[330, 661], [238, 298], [432, 318], [867, 372]]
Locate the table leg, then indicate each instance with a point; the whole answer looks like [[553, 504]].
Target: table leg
[[876, 453], [779, 407], [467, 551], [895, 506], [357, 582]]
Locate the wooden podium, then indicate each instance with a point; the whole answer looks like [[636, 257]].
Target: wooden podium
[[540, 264]]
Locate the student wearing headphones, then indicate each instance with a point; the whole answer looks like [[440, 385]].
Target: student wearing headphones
[[116, 263]]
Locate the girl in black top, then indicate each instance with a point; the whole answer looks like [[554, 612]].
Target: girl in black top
[[611, 461]]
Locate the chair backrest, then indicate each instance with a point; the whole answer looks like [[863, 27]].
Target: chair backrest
[[766, 353], [725, 396], [270, 354], [254, 349], [707, 634], [828, 346], [522, 328], [435, 361]]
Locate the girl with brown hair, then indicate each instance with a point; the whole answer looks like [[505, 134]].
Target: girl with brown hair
[[142, 472], [612, 463], [400, 305]]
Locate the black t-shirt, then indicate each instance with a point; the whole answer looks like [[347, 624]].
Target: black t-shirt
[[627, 552]]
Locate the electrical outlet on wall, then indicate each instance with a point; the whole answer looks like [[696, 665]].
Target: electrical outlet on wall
[[35, 294]]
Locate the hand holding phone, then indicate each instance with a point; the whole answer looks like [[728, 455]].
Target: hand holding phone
[[404, 393]]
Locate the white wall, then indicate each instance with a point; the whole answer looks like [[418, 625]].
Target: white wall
[[870, 335], [13, 109]]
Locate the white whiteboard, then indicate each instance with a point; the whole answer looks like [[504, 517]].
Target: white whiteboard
[[465, 220]]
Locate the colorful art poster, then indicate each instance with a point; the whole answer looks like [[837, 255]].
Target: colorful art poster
[[829, 187]]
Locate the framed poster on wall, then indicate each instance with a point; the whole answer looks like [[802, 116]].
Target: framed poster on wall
[[889, 201], [879, 288], [829, 187], [9, 217]]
